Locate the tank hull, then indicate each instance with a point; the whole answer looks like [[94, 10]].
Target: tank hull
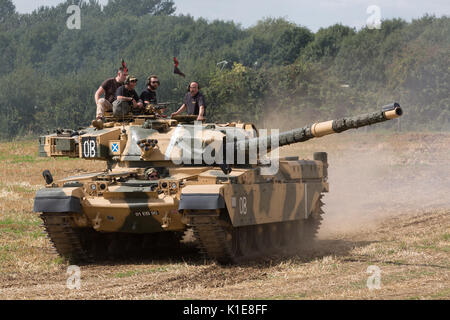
[[76, 216]]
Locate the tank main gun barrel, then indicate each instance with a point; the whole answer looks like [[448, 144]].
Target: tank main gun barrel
[[321, 129]]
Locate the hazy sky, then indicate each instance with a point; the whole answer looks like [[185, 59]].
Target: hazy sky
[[312, 14]]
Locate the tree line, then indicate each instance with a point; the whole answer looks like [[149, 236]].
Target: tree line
[[276, 73]]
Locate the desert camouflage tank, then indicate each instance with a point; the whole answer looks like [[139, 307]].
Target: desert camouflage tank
[[166, 177]]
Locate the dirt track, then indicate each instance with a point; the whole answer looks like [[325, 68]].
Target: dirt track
[[388, 207], [409, 250]]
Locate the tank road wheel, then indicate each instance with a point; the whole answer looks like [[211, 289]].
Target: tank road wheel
[[262, 239], [116, 246], [276, 236], [292, 235], [133, 245], [232, 244], [94, 243], [246, 241], [99, 248]]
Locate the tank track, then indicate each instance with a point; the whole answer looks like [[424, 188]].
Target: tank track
[[65, 239], [84, 245], [220, 241], [215, 238], [212, 239], [312, 225]]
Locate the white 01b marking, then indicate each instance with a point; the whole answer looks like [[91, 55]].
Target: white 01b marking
[[89, 149], [243, 205]]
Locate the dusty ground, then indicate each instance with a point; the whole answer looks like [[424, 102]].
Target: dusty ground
[[389, 207]]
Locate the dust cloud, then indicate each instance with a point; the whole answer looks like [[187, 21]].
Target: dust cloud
[[374, 172], [377, 176]]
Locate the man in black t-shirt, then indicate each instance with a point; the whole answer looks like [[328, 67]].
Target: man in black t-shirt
[[127, 97], [148, 96], [194, 102], [108, 88]]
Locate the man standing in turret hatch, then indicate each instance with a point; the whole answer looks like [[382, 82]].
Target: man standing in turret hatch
[[148, 96], [194, 102]]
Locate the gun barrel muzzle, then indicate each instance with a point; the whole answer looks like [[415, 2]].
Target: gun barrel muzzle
[[392, 111]]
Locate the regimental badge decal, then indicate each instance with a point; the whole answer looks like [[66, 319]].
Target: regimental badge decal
[[115, 147]]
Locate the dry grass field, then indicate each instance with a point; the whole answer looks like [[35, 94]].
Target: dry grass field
[[388, 206]]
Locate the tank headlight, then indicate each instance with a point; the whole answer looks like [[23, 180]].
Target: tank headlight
[[93, 187], [173, 186]]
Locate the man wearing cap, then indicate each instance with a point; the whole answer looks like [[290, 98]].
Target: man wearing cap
[[194, 102], [148, 96], [127, 97], [109, 88]]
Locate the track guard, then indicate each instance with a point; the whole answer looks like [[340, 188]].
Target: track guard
[[56, 200], [202, 197]]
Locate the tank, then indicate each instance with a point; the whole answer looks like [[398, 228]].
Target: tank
[[165, 179]]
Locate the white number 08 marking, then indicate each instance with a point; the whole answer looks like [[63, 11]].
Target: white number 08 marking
[[243, 205]]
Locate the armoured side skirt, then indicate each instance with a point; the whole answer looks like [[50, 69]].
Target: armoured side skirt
[[201, 202], [55, 200], [271, 203]]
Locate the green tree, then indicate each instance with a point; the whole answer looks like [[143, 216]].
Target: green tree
[[236, 94], [290, 44], [140, 7], [7, 8], [327, 43], [276, 73]]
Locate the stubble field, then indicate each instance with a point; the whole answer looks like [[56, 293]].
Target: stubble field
[[388, 207]]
